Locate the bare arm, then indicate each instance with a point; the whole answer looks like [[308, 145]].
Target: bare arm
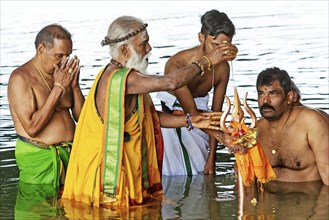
[[25, 102], [22, 101], [138, 83], [318, 138], [209, 120], [78, 98], [220, 88], [222, 71]]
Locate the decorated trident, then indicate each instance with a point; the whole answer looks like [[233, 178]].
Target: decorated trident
[[252, 162], [246, 135]]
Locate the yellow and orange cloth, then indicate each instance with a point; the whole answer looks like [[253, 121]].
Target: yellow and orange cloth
[[105, 168], [254, 163]]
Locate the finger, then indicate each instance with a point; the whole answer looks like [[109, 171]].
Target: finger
[[64, 62], [215, 122], [56, 68], [77, 66], [77, 61], [76, 72], [71, 63], [213, 127], [215, 118], [212, 116], [212, 113], [71, 68]]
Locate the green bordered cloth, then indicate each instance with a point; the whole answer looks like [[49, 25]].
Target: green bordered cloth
[[113, 133]]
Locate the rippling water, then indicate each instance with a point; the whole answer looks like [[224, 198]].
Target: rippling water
[[292, 35]]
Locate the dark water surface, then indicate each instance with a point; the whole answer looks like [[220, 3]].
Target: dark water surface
[[292, 35]]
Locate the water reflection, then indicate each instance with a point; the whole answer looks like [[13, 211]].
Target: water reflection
[[186, 197], [189, 197], [308, 200], [78, 210], [36, 201]]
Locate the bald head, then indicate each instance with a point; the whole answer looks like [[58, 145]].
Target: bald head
[[47, 35]]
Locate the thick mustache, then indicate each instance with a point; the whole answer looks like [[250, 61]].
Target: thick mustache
[[266, 106]]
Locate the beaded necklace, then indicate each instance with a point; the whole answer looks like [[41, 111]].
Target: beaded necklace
[[116, 63]]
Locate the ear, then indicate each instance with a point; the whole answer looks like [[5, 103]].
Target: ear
[[125, 50], [41, 48], [290, 97], [201, 37]]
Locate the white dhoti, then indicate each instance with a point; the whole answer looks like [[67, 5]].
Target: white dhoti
[[185, 152]]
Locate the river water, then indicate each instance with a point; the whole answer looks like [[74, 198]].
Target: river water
[[292, 35]]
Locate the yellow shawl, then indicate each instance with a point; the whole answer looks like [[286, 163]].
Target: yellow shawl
[[103, 169]]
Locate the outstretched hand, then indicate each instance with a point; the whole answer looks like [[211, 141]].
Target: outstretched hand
[[207, 120]]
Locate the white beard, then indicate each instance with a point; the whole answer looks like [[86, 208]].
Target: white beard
[[137, 62]]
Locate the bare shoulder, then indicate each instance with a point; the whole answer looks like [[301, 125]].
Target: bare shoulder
[[307, 112], [183, 54], [139, 83], [180, 59], [309, 116], [223, 70], [20, 76]]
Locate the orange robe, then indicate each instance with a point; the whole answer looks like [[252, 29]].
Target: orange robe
[[103, 168], [253, 164]]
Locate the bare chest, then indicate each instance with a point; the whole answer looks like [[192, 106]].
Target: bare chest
[[288, 149], [201, 85], [41, 94]]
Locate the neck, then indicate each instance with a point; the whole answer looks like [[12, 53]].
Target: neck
[[116, 63], [40, 67], [42, 76], [280, 123]]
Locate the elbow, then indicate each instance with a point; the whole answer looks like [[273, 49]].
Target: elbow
[[172, 87], [32, 131], [174, 84], [32, 134]]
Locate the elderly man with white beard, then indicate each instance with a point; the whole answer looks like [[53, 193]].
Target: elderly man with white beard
[[117, 151]]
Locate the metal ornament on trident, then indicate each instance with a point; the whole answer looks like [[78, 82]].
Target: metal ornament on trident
[[251, 160]]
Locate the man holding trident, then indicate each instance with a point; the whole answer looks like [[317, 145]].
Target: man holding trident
[[250, 158]]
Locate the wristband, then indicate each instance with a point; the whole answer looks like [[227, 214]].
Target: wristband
[[209, 63], [199, 65], [62, 87], [189, 125]]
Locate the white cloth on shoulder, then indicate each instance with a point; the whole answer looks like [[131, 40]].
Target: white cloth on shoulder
[[185, 152], [173, 104]]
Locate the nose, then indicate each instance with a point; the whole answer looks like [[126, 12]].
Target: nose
[[267, 99], [148, 48]]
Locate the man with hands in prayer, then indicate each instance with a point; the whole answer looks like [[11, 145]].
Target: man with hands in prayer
[[41, 94]]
